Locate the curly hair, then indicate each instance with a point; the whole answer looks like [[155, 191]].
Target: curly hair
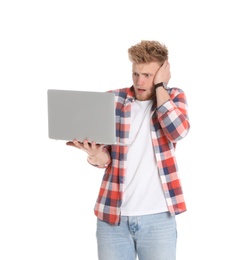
[[148, 51]]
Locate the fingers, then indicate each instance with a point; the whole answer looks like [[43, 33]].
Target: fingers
[[166, 65], [93, 146], [163, 74], [77, 143], [90, 148], [166, 71], [86, 144], [73, 143]]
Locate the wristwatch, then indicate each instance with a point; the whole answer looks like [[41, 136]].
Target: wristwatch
[[161, 84]]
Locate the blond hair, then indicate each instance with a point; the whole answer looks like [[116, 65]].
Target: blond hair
[[148, 51]]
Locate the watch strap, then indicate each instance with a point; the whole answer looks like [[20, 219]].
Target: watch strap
[[161, 84]]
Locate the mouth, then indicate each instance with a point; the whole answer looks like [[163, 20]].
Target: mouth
[[141, 90]]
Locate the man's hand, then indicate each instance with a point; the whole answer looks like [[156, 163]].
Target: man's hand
[[163, 73], [96, 155], [92, 149]]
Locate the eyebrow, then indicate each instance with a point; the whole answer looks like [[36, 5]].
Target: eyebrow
[[143, 73]]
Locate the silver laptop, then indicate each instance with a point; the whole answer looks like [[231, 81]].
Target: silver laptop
[[81, 115]]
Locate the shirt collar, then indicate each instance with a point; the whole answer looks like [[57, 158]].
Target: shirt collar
[[131, 97]]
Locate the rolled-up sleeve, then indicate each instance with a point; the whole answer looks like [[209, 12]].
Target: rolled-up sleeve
[[173, 116]]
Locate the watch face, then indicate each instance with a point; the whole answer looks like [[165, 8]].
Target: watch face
[[161, 84], [165, 86]]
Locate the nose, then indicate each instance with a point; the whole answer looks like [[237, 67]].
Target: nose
[[139, 81]]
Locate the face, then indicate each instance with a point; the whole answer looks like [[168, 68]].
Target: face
[[143, 79]]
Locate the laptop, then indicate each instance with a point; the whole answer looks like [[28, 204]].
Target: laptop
[[81, 115]]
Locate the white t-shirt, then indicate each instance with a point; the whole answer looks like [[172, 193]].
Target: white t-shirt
[[143, 193]]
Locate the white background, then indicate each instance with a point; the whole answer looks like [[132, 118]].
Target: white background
[[47, 190]]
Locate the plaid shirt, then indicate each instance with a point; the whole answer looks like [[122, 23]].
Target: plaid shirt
[[169, 124]]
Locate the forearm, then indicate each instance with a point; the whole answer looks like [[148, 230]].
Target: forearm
[[162, 96]]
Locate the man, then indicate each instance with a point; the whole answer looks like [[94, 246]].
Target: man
[[141, 191]]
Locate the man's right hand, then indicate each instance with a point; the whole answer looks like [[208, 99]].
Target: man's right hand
[[92, 149], [96, 155]]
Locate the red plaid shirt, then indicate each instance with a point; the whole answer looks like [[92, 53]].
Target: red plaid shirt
[[169, 124]]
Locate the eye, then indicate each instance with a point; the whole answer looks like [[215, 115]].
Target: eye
[[135, 74], [147, 75]]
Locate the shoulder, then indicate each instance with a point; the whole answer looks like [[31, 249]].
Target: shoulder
[[122, 94], [176, 93]]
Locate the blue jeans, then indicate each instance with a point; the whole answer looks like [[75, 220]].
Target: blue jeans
[[150, 237]]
